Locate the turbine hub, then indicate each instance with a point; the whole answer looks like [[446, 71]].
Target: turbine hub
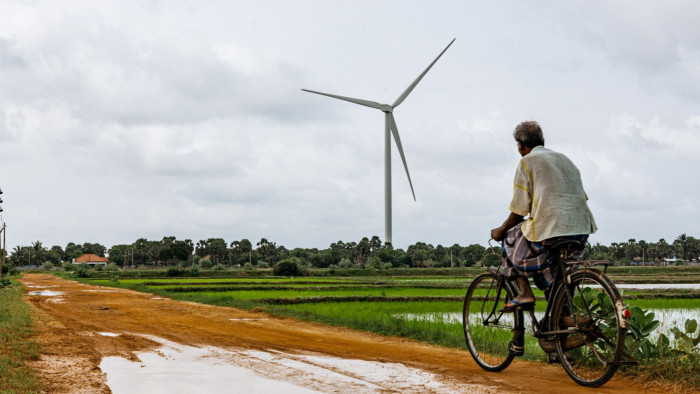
[[387, 108]]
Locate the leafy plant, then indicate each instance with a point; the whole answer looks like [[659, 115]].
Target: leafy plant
[[641, 323], [685, 342]]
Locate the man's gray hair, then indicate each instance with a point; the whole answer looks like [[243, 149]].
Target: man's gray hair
[[529, 134]]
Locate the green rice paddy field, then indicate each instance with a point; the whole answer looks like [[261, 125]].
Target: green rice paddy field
[[425, 308]]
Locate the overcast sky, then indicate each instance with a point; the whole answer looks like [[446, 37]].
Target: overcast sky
[[129, 119]]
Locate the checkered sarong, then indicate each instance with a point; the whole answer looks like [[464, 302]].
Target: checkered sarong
[[524, 258]]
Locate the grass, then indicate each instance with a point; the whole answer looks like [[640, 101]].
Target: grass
[[16, 344]]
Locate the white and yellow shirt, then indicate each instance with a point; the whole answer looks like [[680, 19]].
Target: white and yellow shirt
[[548, 187]]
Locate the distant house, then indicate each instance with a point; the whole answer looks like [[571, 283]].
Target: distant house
[[92, 260], [669, 261]]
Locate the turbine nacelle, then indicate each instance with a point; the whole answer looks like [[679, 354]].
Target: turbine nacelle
[[386, 108]]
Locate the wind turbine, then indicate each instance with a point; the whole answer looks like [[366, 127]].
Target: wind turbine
[[389, 129]]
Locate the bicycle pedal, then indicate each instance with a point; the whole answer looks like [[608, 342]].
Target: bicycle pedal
[[515, 349]]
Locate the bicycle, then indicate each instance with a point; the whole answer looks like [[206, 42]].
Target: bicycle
[[583, 326]]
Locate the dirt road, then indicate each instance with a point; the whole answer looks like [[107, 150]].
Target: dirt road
[[70, 317]]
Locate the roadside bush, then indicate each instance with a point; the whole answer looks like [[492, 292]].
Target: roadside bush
[[4, 282], [219, 267], [289, 267], [248, 266], [68, 266], [111, 267], [47, 266], [675, 360], [263, 264]]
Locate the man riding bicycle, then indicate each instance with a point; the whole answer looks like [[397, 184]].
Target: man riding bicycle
[[548, 188]]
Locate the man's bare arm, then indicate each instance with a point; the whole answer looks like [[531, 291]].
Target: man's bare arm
[[500, 232]]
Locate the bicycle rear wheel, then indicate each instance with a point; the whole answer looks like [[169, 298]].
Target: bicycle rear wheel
[[486, 331], [587, 308]]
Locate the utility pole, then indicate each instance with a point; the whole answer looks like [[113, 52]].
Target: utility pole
[[3, 251], [2, 247]]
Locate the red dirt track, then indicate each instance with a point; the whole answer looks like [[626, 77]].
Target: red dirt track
[[68, 326]]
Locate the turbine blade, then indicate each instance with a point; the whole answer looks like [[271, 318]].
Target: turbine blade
[[366, 103], [395, 132], [413, 85]]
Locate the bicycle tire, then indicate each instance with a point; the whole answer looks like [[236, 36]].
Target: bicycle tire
[[489, 343], [589, 306]]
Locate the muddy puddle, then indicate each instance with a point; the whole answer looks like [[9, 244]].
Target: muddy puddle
[[176, 368], [46, 293]]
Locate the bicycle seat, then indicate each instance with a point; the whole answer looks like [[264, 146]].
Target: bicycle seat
[[567, 249]]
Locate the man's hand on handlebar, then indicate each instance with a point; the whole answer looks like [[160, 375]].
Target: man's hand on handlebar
[[497, 234]]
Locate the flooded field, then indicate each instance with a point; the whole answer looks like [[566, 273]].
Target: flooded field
[[668, 318]]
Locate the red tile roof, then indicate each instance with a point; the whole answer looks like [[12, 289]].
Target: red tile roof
[[91, 258]]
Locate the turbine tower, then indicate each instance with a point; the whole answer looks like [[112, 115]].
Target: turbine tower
[[389, 129]]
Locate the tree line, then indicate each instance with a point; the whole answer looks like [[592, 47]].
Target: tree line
[[367, 253]]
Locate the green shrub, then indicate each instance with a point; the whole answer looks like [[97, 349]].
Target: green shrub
[[248, 266], [47, 266], [80, 271], [219, 267], [289, 267], [345, 263], [111, 267], [205, 263], [373, 263], [194, 270], [173, 271]]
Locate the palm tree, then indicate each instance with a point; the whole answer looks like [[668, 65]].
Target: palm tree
[[643, 246], [682, 240]]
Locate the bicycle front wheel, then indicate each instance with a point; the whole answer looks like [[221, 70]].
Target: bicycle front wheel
[[586, 309], [487, 331]]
